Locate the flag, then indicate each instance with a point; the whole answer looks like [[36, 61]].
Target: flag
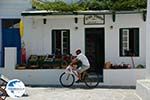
[[21, 27]]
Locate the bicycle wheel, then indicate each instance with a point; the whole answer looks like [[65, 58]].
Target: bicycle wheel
[[3, 94], [91, 80], [66, 79]]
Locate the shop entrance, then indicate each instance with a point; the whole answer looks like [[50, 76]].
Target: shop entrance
[[94, 48]]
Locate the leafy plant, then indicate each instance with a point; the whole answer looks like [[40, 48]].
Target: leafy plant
[[129, 4], [57, 6], [140, 66], [60, 5]]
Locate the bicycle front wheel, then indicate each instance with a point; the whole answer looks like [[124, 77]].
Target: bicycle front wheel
[[3, 94], [66, 79], [91, 80]]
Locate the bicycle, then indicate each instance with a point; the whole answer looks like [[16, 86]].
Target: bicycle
[[68, 77]]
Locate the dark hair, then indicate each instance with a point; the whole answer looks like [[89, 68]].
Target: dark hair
[[78, 51]]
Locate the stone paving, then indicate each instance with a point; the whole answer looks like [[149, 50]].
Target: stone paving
[[78, 93]]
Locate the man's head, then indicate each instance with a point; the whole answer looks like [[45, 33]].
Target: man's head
[[78, 51]]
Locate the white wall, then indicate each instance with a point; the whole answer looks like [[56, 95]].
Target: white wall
[[34, 77], [38, 35], [123, 77], [112, 37], [13, 8]]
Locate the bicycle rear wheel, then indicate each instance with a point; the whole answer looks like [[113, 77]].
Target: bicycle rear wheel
[[91, 80], [66, 79]]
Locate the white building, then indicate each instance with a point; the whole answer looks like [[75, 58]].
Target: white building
[[102, 35], [83, 26]]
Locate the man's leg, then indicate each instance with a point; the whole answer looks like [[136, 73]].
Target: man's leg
[[80, 70]]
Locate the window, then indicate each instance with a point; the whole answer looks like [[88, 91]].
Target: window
[[10, 23], [129, 42], [60, 42]]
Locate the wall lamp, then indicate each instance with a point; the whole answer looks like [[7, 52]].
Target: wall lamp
[[111, 27], [44, 21], [113, 16], [76, 20], [144, 15]]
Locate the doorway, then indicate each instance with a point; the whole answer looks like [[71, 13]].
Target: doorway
[[11, 37], [94, 48]]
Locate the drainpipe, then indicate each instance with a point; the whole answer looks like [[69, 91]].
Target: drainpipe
[[113, 16]]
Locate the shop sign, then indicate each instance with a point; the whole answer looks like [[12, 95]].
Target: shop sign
[[94, 19]]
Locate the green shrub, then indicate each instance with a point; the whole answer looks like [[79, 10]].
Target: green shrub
[[140, 66], [90, 5]]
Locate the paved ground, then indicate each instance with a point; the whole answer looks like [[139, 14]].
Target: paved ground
[[78, 93]]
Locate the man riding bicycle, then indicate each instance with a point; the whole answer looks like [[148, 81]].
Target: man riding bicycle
[[83, 59]]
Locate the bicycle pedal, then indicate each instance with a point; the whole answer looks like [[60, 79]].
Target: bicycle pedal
[[79, 81]]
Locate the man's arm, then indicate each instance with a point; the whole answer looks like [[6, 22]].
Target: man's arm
[[74, 61]]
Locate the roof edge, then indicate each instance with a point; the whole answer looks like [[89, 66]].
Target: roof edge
[[89, 12]]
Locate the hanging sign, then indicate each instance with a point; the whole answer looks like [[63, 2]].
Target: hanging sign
[[94, 19]]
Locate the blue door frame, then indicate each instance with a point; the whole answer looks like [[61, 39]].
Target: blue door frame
[[11, 38]]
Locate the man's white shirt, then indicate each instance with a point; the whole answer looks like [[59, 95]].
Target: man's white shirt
[[83, 59]]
